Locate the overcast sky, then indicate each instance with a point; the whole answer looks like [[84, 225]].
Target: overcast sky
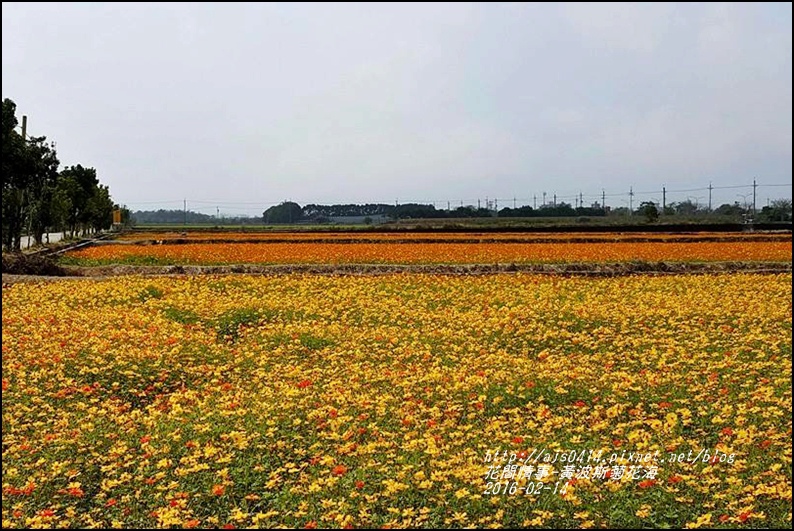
[[243, 105]]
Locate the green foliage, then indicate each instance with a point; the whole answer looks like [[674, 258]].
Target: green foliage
[[228, 325], [181, 316], [777, 210], [37, 197], [150, 292], [287, 212], [649, 210]]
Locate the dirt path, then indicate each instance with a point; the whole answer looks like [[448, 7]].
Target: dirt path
[[595, 270]]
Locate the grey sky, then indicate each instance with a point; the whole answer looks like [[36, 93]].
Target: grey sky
[[243, 105]]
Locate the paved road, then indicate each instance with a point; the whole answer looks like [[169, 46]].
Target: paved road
[[27, 241]]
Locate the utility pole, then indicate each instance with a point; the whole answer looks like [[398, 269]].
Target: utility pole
[[184, 208], [534, 201], [754, 187], [664, 199], [581, 201], [448, 208], [603, 200], [478, 203], [544, 199], [24, 127], [514, 202], [555, 200], [631, 200], [710, 188], [496, 205]]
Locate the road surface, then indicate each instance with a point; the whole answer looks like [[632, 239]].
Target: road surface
[[28, 241]]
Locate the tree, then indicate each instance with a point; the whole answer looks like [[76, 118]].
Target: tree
[[734, 210], [287, 212], [99, 209], [15, 179], [649, 210], [36, 197], [778, 210], [79, 185], [42, 186], [686, 208]]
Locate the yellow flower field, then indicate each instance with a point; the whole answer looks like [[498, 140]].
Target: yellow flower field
[[352, 401]]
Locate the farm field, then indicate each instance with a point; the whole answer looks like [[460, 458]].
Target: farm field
[[447, 236], [357, 401], [429, 253]]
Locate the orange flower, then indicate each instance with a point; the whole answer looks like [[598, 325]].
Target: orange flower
[[339, 470], [218, 490], [190, 524], [644, 484]]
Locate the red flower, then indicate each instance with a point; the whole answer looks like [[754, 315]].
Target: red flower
[[339, 470], [727, 431], [311, 525], [303, 384], [744, 516], [674, 479], [518, 440], [580, 403], [359, 484], [218, 490], [646, 483]]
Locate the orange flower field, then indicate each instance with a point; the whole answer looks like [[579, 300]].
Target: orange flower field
[[402, 400], [431, 253]]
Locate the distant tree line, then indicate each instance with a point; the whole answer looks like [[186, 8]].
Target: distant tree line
[[189, 217], [38, 197], [778, 210], [290, 212]]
